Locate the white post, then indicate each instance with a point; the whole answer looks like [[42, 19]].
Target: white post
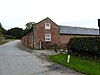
[[40, 44], [68, 59]]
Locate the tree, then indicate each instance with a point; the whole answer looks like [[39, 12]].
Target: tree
[[16, 32], [30, 25], [2, 30], [1, 35]]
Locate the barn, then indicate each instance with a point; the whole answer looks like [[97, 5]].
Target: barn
[[48, 32]]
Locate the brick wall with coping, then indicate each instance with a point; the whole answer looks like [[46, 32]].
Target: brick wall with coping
[[40, 32]]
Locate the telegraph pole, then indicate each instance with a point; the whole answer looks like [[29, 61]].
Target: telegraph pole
[[99, 25]]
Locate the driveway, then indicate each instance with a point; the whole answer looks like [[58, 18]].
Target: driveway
[[15, 61]]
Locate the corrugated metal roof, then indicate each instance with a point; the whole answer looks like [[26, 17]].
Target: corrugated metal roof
[[78, 30]]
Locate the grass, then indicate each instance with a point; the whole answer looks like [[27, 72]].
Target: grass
[[7, 40], [81, 65]]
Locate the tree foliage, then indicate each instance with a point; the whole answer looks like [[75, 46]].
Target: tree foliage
[[1, 35], [16, 32], [2, 30], [29, 25]]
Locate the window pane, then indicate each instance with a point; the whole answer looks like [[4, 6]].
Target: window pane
[[47, 37], [47, 25]]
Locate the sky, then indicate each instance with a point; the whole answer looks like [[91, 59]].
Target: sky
[[77, 13]]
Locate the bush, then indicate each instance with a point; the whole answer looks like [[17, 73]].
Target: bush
[[1, 35], [9, 37], [90, 45]]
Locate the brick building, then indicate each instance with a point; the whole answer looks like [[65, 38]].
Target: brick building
[[47, 31]]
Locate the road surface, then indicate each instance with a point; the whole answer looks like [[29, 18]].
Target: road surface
[[14, 61]]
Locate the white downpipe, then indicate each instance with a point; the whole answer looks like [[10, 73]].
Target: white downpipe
[[40, 44]]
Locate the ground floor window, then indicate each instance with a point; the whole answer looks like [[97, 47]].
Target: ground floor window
[[47, 37]]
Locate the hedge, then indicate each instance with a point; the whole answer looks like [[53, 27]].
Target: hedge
[[9, 37], [89, 45]]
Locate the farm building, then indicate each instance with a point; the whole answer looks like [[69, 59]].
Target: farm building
[[47, 31]]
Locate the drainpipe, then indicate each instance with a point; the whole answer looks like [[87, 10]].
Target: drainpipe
[[33, 37], [33, 27], [99, 25]]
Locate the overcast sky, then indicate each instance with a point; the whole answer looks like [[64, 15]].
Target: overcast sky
[[80, 13]]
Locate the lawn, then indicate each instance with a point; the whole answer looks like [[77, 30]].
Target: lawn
[[81, 65]]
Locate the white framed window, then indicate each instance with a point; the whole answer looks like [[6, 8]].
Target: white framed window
[[47, 37], [47, 25]]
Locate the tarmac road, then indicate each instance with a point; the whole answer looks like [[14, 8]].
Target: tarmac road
[[14, 61]]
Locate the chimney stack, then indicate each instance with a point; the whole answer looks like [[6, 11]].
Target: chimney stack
[[99, 25]]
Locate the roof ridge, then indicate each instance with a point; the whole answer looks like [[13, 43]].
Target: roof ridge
[[78, 27]]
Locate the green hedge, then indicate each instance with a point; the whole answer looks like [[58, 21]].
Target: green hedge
[[85, 44], [9, 37]]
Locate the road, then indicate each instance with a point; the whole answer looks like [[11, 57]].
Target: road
[[14, 61]]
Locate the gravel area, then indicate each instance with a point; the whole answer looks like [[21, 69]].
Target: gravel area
[[52, 68]]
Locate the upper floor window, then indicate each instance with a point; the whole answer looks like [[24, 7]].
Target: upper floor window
[[47, 25]]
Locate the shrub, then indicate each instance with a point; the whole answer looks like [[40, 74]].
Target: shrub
[[1, 35], [90, 45], [9, 37]]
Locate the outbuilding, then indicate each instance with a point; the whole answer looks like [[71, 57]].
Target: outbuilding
[[47, 31]]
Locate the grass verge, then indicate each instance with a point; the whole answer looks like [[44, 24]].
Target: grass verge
[[81, 65], [7, 40]]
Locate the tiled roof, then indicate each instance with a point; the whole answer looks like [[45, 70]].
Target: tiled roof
[[78, 30]]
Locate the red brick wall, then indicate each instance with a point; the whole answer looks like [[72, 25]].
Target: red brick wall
[[27, 39], [40, 32], [64, 39]]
